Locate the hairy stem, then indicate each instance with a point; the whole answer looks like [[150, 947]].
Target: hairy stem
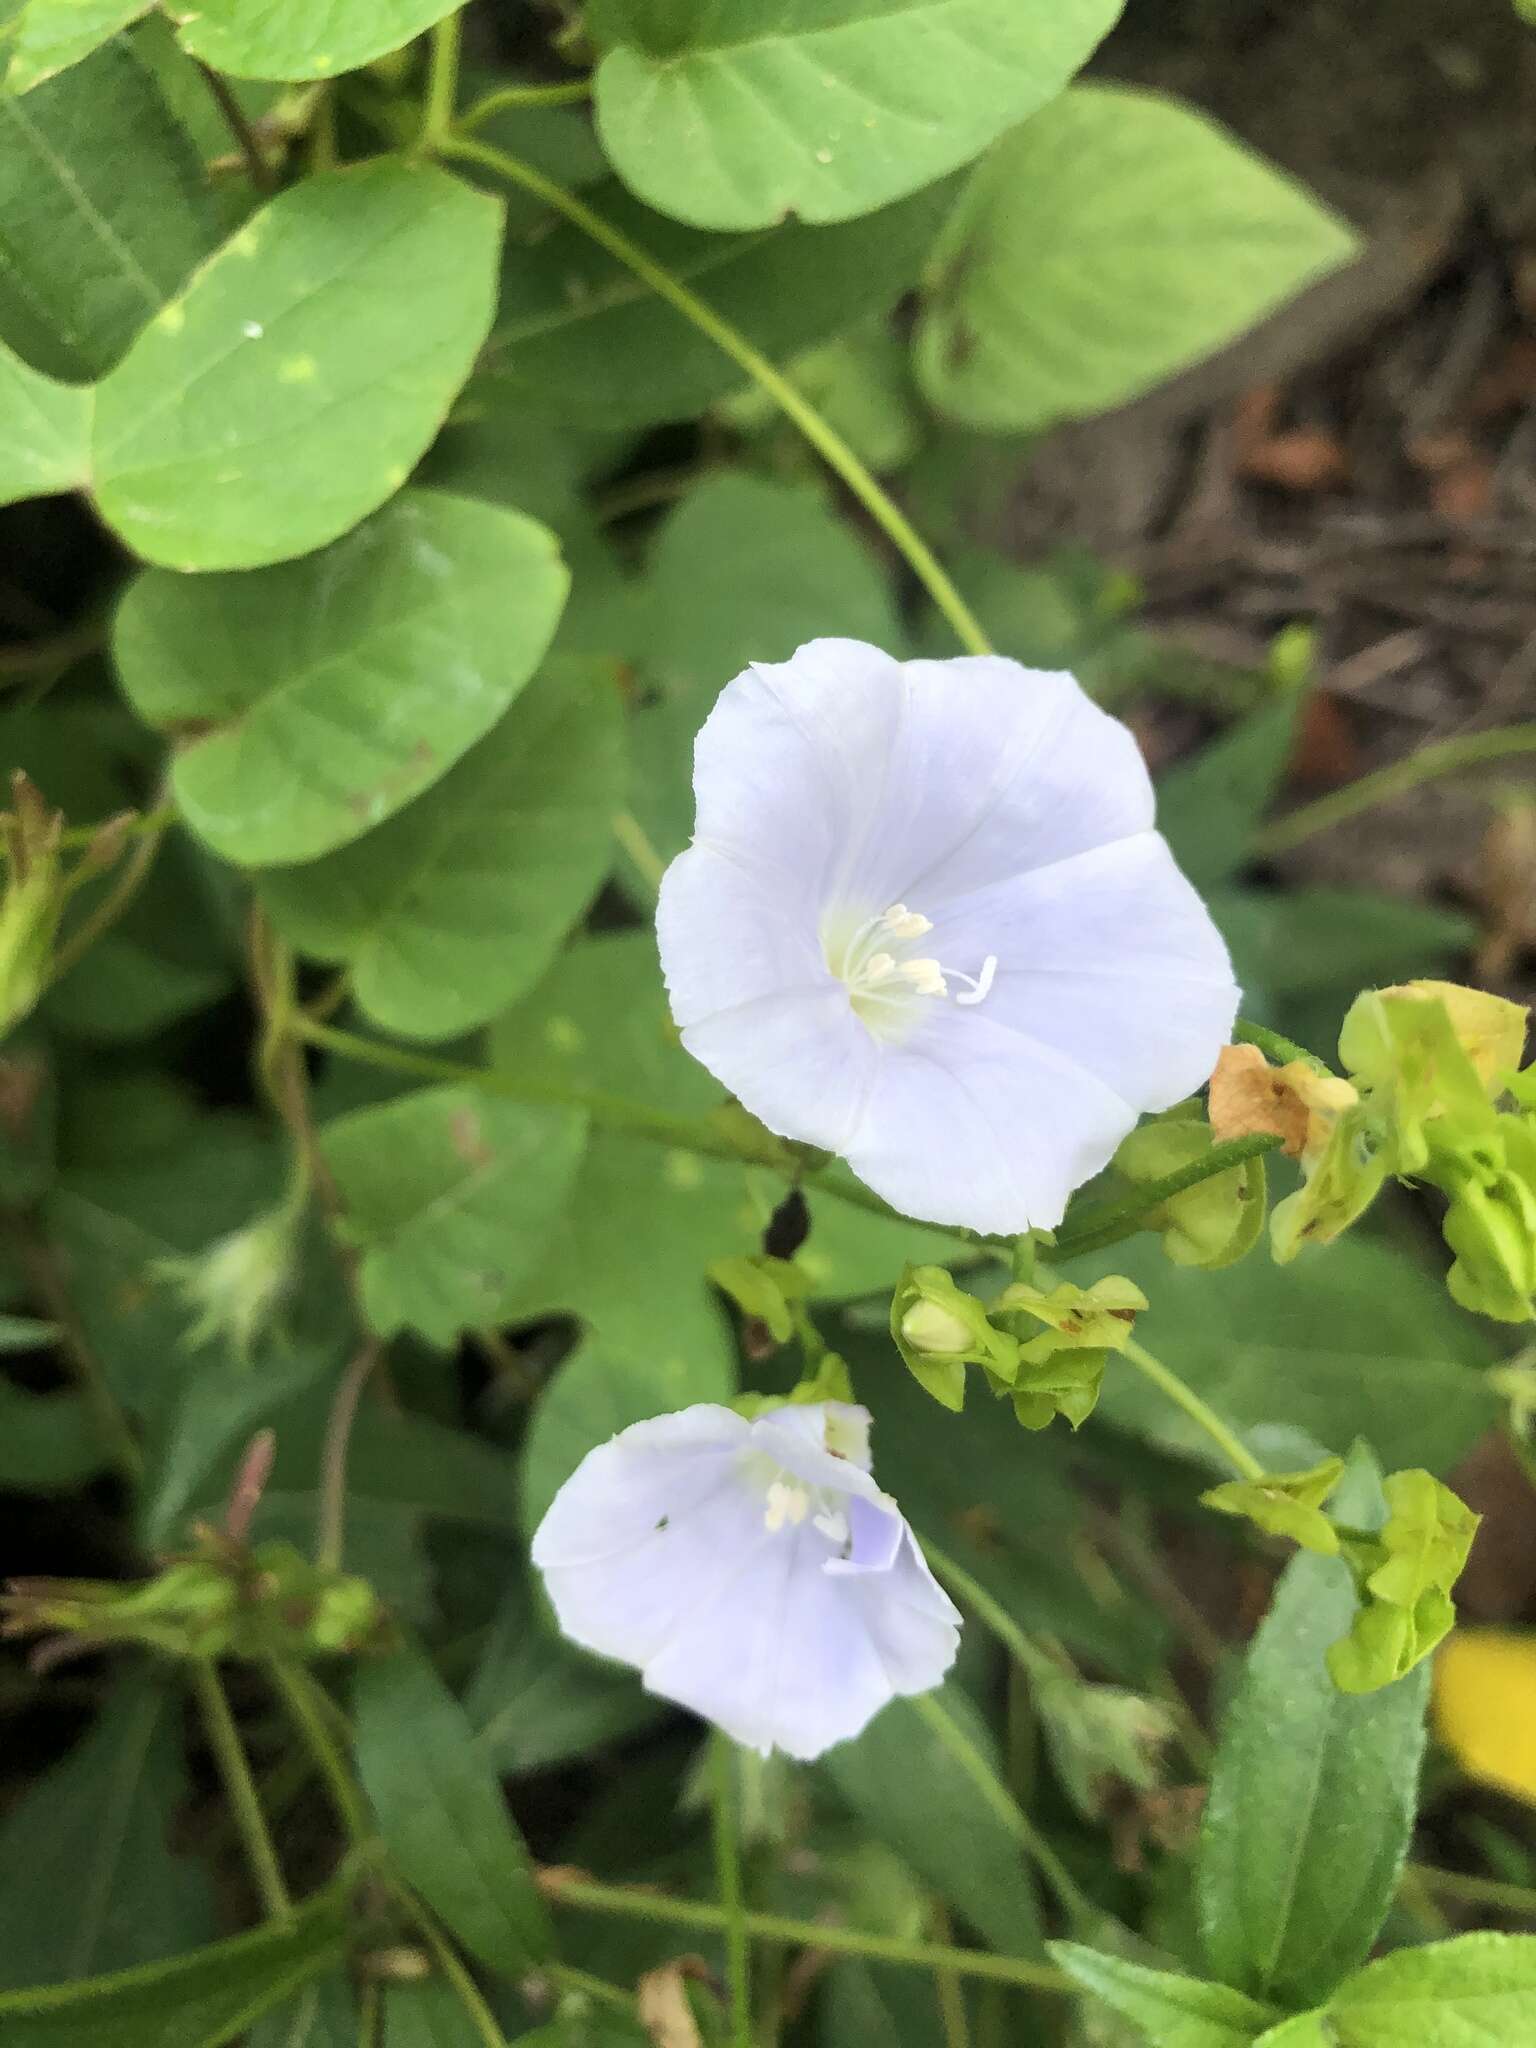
[[727, 1845], [824, 438], [1106, 1223], [1445, 757], [1199, 1412], [588, 1895], [235, 1773]]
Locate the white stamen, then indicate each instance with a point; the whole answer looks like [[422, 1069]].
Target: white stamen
[[833, 1525], [786, 1504], [879, 967], [902, 923], [978, 989], [926, 976]]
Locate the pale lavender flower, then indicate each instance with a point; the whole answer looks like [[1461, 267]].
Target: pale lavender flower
[[751, 1570], [926, 923]]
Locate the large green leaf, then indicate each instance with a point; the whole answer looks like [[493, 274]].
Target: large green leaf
[[104, 209], [1112, 240], [441, 1812], [450, 1194], [535, 1699], [198, 2000], [630, 1252], [592, 1397], [1350, 1341], [1209, 808], [324, 695], [1313, 1793], [451, 910], [303, 38], [578, 331], [426, 2015], [743, 571], [1168, 2010], [50, 35], [92, 1883], [45, 431], [322, 2015], [1470, 1992], [293, 385], [913, 1793], [735, 117]]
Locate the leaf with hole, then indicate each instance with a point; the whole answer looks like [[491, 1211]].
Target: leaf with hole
[[295, 383]]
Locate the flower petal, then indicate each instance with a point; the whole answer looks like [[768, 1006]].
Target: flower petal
[[1110, 958], [974, 1124]]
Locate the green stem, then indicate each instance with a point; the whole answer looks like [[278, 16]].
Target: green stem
[[134, 874], [587, 1895], [1075, 1903], [1226, 1440], [442, 87], [699, 1135], [1037, 1662], [1280, 1051], [727, 1844], [298, 1691], [1476, 1891], [570, 92], [1446, 757], [1106, 1223], [235, 1772], [827, 442], [569, 1978]]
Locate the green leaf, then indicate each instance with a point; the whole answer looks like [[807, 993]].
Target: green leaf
[[102, 1890], [1355, 1342], [453, 909], [594, 1395], [305, 38], [47, 1441], [199, 2000], [580, 333], [1300, 942], [1313, 1793], [536, 1700], [439, 608], [104, 210], [827, 108], [442, 1815], [1469, 1992], [51, 35], [1172, 2011], [293, 385], [1114, 239], [450, 1194], [743, 571], [44, 431], [425, 2015], [1209, 808], [913, 1794], [322, 2015]]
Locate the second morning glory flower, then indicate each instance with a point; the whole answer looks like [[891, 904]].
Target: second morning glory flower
[[926, 923], [751, 1570]]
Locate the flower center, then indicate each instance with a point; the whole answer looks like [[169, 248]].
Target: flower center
[[884, 974], [788, 1502]]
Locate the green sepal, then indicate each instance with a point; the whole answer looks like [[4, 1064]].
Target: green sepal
[[1214, 1223], [1285, 1504], [1061, 1371], [1340, 1188], [1423, 1090], [1406, 1574], [1490, 1222], [1100, 1736], [764, 1288]]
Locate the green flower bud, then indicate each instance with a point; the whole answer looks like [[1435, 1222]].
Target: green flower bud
[[939, 1330], [1212, 1224]]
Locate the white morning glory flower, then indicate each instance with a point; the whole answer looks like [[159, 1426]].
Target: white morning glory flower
[[926, 923], [751, 1570]]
